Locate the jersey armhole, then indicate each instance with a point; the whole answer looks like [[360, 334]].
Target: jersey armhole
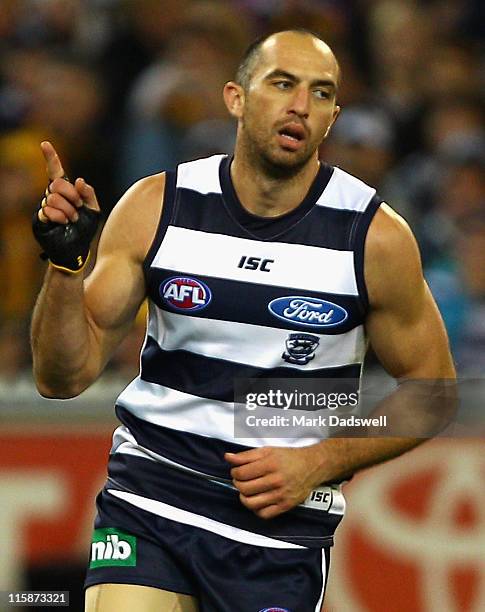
[[166, 217], [359, 235]]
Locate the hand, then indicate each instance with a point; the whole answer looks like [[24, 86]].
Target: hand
[[68, 218], [63, 199], [272, 480]]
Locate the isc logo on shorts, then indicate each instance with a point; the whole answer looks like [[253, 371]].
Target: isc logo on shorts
[[112, 547], [183, 293]]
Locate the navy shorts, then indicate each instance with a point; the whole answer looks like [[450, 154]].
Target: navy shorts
[[132, 545]]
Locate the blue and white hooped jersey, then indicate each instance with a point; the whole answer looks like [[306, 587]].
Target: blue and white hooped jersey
[[227, 290]]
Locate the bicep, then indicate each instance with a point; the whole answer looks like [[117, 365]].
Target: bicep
[[404, 326], [411, 346], [115, 290]]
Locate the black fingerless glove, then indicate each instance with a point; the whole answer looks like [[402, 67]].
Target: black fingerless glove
[[67, 246]]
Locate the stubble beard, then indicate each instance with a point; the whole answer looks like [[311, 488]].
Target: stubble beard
[[259, 154]]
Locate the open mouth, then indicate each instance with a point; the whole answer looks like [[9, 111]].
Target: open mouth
[[293, 131], [292, 136]]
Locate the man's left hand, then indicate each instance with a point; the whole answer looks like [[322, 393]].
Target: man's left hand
[[272, 480]]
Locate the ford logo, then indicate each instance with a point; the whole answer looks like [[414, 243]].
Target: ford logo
[[311, 312]]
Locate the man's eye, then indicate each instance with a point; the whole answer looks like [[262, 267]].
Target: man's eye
[[282, 84], [320, 93]]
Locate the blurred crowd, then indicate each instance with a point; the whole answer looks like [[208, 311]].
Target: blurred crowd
[[125, 88]]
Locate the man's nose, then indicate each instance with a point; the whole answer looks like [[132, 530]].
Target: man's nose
[[300, 103]]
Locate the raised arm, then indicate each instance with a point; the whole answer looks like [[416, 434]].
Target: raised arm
[[78, 323]]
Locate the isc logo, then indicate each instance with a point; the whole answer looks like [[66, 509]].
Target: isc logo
[[184, 293], [255, 263], [320, 498]]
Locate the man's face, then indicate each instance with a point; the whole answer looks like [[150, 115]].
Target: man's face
[[289, 105]]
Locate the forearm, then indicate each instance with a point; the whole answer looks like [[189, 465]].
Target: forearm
[[60, 335], [416, 411], [338, 458]]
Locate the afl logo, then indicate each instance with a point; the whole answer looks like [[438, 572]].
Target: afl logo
[[310, 312], [183, 293], [274, 610]]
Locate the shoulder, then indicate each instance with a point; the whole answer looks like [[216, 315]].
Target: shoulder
[[133, 222], [388, 231], [143, 196], [392, 258]]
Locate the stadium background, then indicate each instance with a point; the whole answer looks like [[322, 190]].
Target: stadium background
[[125, 88]]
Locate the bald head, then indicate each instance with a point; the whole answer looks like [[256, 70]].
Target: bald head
[[266, 45]]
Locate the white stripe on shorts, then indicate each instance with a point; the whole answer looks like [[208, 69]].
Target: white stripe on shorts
[[202, 522]]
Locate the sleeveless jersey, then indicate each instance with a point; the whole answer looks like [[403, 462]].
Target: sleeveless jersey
[[230, 295]]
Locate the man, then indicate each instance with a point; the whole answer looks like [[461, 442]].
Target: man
[[189, 517]]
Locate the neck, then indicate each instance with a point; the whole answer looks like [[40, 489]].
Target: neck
[[264, 194]]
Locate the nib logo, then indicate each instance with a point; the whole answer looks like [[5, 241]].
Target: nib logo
[[112, 547]]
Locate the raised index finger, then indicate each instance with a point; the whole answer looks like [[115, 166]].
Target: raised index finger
[[54, 166]]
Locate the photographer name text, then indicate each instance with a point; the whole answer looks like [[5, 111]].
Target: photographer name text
[[316, 421]]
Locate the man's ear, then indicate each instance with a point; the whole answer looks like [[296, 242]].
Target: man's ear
[[234, 99]]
